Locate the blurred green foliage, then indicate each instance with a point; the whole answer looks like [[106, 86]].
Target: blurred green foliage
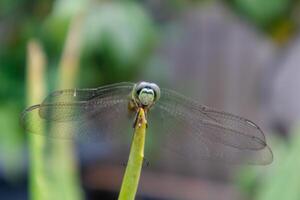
[[283, 180], [265, 12], [12, 147], [279, 180], [274, 17], [117, 38]]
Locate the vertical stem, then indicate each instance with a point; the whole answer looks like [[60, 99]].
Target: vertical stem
[[66, 173], [135, 161], [69, 63], [35, 88], [60, 181]]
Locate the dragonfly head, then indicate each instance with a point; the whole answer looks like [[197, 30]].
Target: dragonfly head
[[145, 93]]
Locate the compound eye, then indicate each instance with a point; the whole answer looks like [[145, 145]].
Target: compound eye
[[143, 90], [156, 90], [140, 86]]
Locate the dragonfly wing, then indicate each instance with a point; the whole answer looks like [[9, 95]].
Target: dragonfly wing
[[198, 132], [91, 113], [237, 131], [99, 117], [79, 95]]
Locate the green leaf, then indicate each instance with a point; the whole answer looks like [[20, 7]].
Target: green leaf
[[120, 31], [262, 12]]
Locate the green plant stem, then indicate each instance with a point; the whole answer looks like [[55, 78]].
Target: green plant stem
[[65, 174], [35, 85], [135, 161]]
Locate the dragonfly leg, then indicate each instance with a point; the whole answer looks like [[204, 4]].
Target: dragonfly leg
[[135, 119], [146, 162]]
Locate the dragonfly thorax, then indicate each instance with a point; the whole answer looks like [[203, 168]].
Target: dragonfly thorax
[[145, 94]]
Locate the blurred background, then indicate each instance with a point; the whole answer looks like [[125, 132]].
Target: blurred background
[[240, 56]]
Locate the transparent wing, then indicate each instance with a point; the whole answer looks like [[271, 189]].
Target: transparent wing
[[91, 113], [195, 132]]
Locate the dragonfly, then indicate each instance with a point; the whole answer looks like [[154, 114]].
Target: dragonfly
[[177, 126]]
